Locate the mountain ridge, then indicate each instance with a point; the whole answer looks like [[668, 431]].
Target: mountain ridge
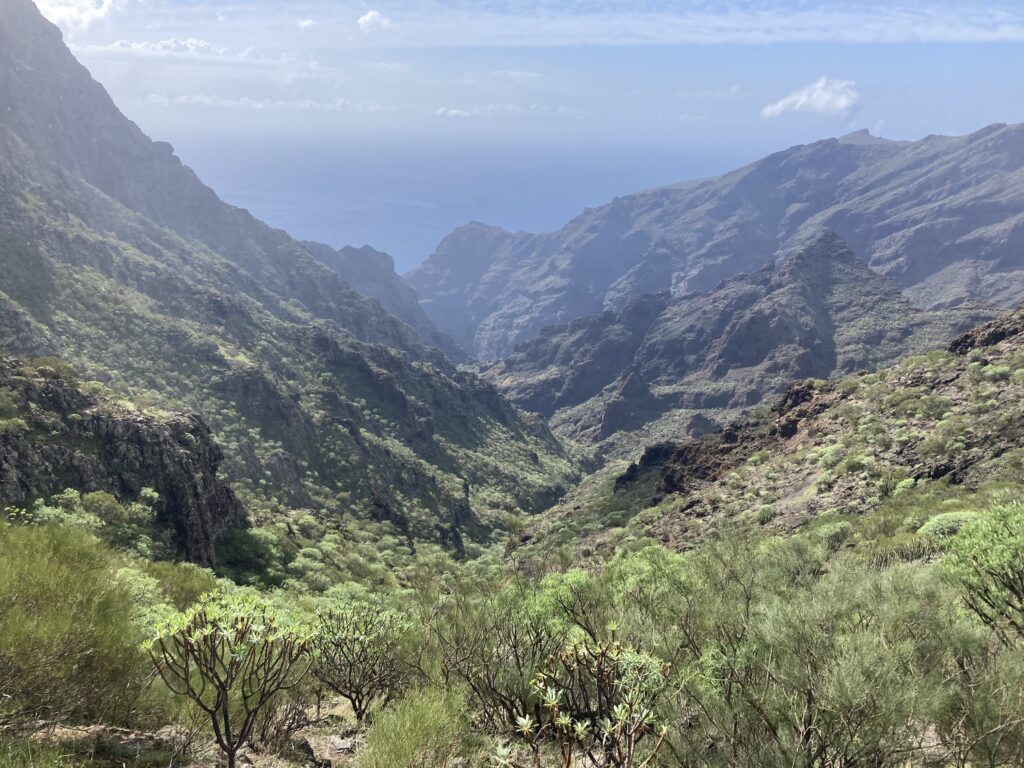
[[819, 311], [321, 399], [940, 216], [938, 430], [372, 273]]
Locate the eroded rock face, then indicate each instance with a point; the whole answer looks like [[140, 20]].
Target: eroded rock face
[[55, 436], [939, 216], [372, 273], [819, 312]]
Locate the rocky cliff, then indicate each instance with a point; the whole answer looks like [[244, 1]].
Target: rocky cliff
[[54, 435], [665, 364], [941, 217]]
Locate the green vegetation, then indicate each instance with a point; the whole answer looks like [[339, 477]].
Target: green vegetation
[[753, 650], [427, 729], [231, 656], [359, 654], [68, 647]]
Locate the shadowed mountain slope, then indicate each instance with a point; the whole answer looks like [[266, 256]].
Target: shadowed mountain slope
[[942, 217], [372, 273], [115, 257], [678, 360]]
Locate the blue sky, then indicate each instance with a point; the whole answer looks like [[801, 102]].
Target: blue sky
[[392, 122]]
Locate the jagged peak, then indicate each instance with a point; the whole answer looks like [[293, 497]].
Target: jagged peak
[[864, 137]]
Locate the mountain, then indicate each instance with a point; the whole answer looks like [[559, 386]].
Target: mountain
[[115, 257], [942, 217], [372, 273], [668, 364], [55, 435], [941, 432]]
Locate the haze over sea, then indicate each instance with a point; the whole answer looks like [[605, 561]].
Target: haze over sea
[[404, 200]]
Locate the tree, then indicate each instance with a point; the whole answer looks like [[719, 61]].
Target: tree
[[359, 654], [232, 656], [494, 645]]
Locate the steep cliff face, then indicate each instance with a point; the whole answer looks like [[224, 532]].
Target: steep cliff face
[[372, 273], [114, 256], [941, 217], [54, 435], [652, 367]]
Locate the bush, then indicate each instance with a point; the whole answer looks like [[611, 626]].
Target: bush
[[987, 557], [947, 524], [600, 700], [181, 583], [25, 754], [358, 651], [233, 657], [68, 648], [426, 729]]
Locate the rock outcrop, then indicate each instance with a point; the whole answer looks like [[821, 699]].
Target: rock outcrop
[[819, 312], [54, 435]]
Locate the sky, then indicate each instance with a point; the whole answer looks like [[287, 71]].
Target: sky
[[391, 123]]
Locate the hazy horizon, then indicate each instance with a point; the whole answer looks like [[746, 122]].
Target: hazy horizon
[[374, 123]]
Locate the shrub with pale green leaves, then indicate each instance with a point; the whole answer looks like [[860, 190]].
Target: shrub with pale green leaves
[[359, 653], [987, 557], [68, 646], [232, 656]]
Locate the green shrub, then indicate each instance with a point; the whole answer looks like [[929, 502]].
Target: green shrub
[[181, 583], [233, 656], [26, 754], [68, 647], [987, 557], [359, 651], [426, 729], [947, 524]]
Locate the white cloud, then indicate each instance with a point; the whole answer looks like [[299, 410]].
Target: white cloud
[[518, 76], [207, 100], [620, 22], [505, 108], [175, 46], [371, 21], [711, 93], [70, 14], [184, 48], [305, 23], [216, 101], [825, 97]]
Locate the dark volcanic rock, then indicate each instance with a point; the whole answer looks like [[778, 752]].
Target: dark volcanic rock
[[54, 436], [819, 312]]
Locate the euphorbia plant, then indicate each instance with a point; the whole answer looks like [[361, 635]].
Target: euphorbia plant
[[231, 655]]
